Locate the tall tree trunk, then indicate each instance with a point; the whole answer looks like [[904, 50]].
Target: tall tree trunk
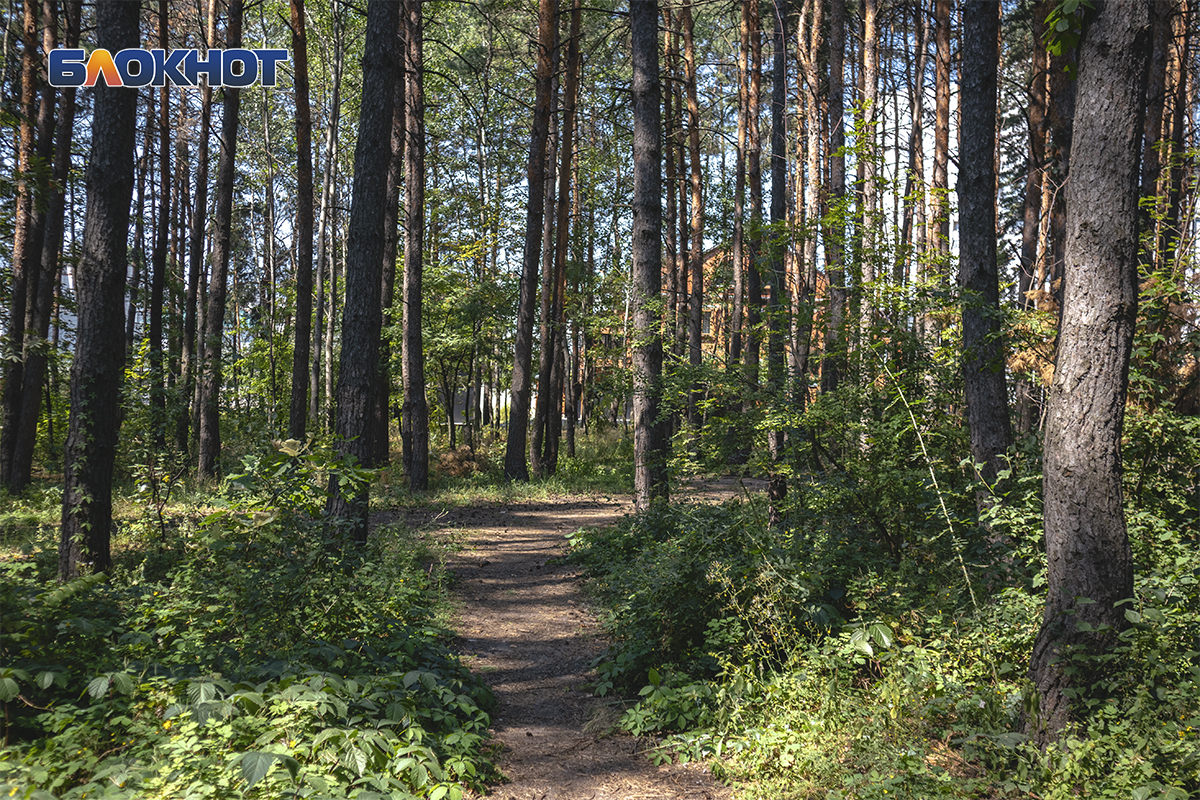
[[867, 155], [391, 242], [834, 359], [541, 408], [737, 247], [158, 260], [24, 250], [696, 261], [983, 347], [325, 228], [214, 317], [416, 407], [301, 352], [100, 288], [939, 207], [358, 367], [914, 183], [515, 465], [808, 48], [1035, 179], [44, 281], [649, 436], [777, 301], [754, 304], [191, 357], [1089, 565], [562, 230]]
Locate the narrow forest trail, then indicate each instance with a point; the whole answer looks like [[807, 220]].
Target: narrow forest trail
[[524, 626]]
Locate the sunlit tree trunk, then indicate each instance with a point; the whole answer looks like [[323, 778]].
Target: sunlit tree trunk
[[833, 362], [696, 260]]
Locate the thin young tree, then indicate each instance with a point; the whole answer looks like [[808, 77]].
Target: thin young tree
[[696, 252], [649, 434], [298, 408], [100, 288], [214, 315], [1089, 563], [190, 358], [515, 464]]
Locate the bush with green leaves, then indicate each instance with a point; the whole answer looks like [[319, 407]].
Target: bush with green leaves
[[274, 658], [812, 660]]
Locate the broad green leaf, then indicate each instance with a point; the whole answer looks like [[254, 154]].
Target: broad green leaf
[[255, 766]]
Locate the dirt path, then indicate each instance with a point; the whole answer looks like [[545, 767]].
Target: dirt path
[[525, 628]]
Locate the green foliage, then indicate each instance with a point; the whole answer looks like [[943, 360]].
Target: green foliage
[[813, 660], [272, 658]]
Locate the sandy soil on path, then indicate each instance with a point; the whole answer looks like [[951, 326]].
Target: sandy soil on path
[[525, 628]]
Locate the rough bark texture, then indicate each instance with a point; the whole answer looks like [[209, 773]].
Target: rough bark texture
[[362, 317], [515, 465], [833, 362], [40, 298], [1089, 563], [416, 407], [983, 350], [391, 244], [649, 435], [100, 288], [298, 409], [214, 315]]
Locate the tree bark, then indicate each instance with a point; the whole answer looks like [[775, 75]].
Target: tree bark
[[416, 407], [1089, 565], [834, 358], [301, 352], [192, 355], [23, 252], [391, 242], [515, 464], [100, 288], [44, 282], [362, 320], [214, 315], [696, 254], [983, 347], [158, 259], [777, 301], [649, 436]]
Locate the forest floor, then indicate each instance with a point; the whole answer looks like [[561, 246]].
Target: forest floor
[[525, 627]]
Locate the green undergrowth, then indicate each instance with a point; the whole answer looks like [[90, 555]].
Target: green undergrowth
[[820, 659], [261, 655]]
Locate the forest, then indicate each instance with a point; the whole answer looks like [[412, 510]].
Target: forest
[[305, 305]]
